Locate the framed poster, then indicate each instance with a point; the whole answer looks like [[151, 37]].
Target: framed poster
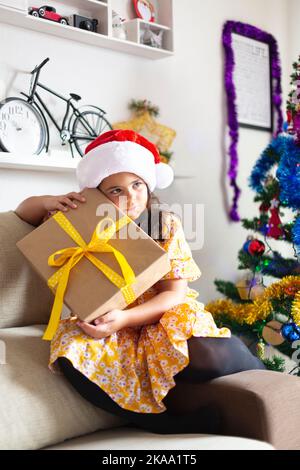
[[253, 82]]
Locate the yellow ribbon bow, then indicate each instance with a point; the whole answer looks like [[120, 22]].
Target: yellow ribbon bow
[[69, 257]]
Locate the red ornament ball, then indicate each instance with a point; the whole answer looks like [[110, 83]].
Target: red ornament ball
[[256, 247], [291, 290]]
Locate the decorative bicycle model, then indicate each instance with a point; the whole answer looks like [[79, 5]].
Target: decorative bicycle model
[[24, 127]]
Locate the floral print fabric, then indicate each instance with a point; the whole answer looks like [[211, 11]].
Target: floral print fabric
[[136, 366]]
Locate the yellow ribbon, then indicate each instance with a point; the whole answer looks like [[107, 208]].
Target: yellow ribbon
[[69, 257]]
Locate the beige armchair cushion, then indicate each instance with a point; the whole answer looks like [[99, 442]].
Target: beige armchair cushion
[[256, 404], [25, 298], [126, 438], [39, 408]]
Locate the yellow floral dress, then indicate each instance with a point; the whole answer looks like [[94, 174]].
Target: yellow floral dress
[[136, 366]]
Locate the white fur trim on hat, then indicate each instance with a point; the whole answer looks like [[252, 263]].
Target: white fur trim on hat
[[122, 156]]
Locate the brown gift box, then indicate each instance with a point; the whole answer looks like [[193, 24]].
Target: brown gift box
[[89, 293]]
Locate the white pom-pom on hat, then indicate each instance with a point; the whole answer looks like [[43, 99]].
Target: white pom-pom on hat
[[164, 175]]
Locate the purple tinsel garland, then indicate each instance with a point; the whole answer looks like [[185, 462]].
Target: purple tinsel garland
[[253, 33]]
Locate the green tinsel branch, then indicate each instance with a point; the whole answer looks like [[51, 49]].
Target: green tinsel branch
[[276, 364], [267, 265], [166, 154], [282, 306], [228, 289], [272, 189], [257, 223], [141, 106]]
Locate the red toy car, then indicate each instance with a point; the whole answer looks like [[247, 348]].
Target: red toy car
[[49, 13]]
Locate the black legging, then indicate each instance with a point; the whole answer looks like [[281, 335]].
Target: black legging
[[208, 358]]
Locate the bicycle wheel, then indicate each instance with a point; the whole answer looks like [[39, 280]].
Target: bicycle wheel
[[86, 127], [22, 128]]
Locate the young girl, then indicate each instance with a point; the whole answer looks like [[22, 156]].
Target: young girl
[[127, 361]]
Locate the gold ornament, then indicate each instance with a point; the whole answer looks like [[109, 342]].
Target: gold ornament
[[248, 293], [260, 349], [250, 288], [160, 135], [272, 333]]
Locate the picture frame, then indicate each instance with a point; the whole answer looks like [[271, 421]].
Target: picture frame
[[270, 69], [253, 82], [144, 10]]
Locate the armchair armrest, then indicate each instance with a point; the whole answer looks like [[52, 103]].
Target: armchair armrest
[[257, 404]]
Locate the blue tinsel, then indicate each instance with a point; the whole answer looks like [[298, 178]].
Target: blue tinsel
[[287, 155], [277, 267], [296, 232], [265, 162], [288, 174], [296, 235], [290, 331]]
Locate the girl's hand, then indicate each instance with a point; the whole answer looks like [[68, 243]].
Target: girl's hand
[[105, 325], [62, 203]]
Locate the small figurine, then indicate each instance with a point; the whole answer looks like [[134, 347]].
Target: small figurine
[[48, 13], [118, 27], [150, 38]]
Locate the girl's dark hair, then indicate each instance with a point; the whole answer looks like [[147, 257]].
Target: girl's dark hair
[[153, 219]]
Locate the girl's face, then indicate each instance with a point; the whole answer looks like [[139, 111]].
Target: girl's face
[[127, 191]]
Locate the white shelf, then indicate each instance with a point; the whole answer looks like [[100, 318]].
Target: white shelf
[[103, 12], [153, 26], [88, 3], [91, 6], [53, 161]]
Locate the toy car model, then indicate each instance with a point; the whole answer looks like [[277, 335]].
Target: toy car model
[[48, 13]]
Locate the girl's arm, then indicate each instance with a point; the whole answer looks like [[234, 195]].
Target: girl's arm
[[32, 210], [170, 293], [35, 208]]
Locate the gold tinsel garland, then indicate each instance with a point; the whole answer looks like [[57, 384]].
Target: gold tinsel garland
[[261, 308], [296, 308]]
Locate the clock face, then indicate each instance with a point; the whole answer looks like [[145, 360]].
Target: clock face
[[21, 128], [144, 9]]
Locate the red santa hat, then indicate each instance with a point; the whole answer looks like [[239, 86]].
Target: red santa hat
[[123, 151]]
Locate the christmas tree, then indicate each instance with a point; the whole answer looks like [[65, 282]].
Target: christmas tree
[[270, 315]]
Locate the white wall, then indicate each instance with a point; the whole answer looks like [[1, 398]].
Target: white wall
[[188, 88], [294, 32]]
